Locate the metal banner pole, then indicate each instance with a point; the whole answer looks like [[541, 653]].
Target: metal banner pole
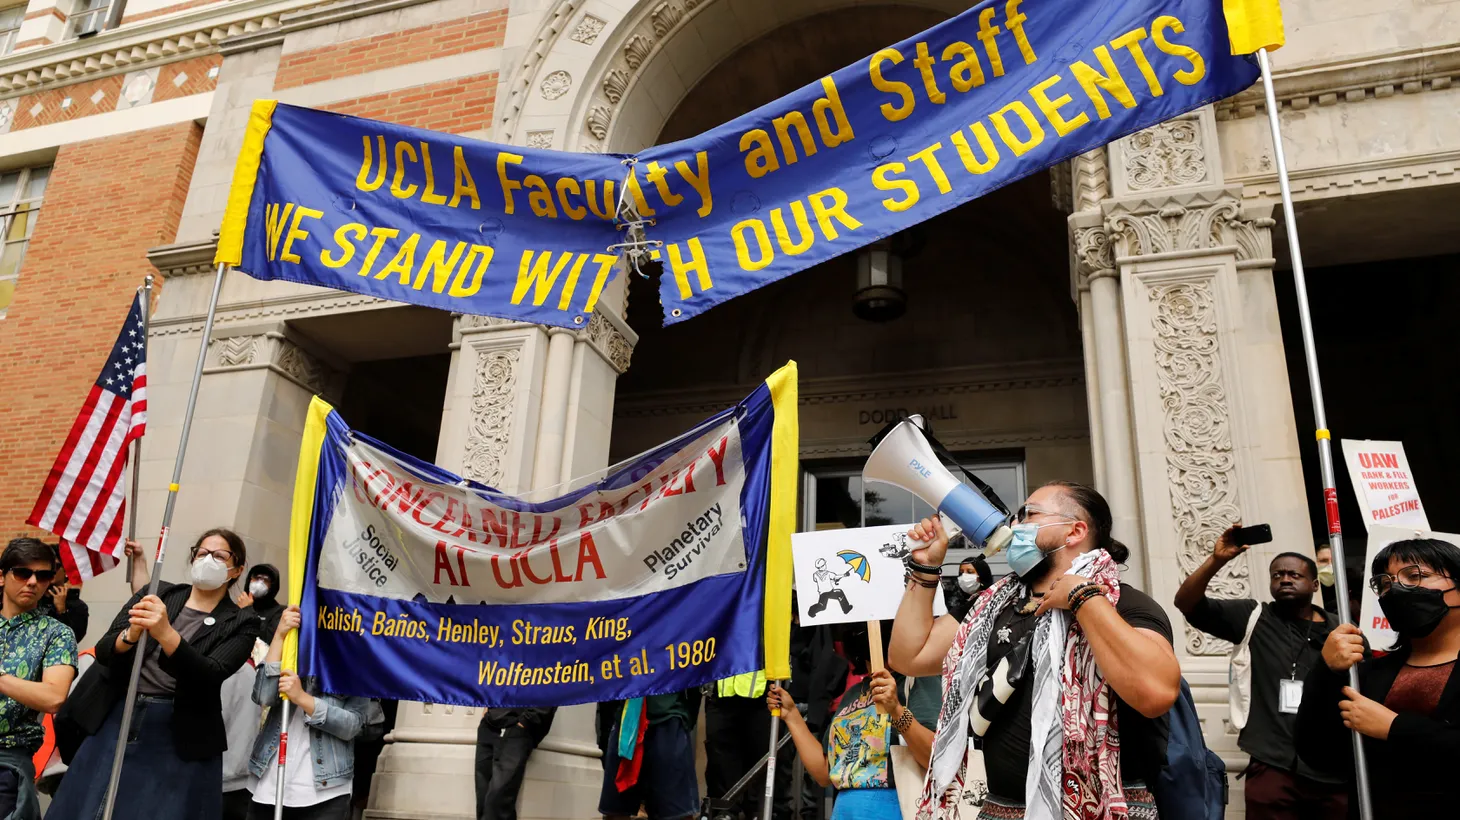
[[140, 649], [137, 444], [768, 805], [1320, 420], [284, 717]]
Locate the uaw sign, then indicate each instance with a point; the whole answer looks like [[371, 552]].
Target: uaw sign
[[420, 585]]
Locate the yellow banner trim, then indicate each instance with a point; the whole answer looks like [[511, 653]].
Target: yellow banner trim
[[1253, 25], [245, 173], [301, 517], [785, 479]]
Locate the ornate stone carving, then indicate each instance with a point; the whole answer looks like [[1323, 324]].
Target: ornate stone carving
[[1061, 186], [540, 139], [1200, 462], [691, 5], [1093, 255], [587, 30], [1091, 179], [636, 50], [493, 392], [1168, 155], [665, 17], [473, 322], [238, 350], [598, 119], [615, 83], [602, 334], [556, 85], [1198, 221], [303, 367]]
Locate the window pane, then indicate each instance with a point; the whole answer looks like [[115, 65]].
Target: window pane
[[7, 290], [10, 259], [36, 185], [7, 188], [20, 224]]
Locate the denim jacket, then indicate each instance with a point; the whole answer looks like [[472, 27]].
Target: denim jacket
[[332, 730]]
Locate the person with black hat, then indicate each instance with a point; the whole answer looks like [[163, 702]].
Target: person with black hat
[[262, 593]]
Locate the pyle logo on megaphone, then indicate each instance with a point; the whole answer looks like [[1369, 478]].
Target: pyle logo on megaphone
[[904, 459]]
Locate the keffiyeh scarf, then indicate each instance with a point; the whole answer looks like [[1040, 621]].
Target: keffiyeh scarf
[[1074, 766]]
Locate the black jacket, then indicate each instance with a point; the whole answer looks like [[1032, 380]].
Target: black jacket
[[200, 667], [537, 722], [77, 614], [1419, 755]]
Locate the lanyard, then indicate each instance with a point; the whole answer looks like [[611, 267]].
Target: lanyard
[[1307, 638]]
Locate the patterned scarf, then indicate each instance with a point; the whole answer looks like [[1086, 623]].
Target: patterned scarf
[[1074, 766]]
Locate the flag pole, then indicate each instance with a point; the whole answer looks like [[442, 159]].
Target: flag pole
[[1320, 420], [768, 805], [137, 443], [284, 717], [140, 649]]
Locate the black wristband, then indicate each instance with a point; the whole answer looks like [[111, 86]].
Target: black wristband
[[123, 636], [914, 566]]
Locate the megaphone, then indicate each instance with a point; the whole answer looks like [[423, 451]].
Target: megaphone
[[904, 459]]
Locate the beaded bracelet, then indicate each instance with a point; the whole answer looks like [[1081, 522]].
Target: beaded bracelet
[[1085, 594], [904, 721]]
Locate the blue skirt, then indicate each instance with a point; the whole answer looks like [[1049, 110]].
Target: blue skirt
[[866, 804], [156, 784]]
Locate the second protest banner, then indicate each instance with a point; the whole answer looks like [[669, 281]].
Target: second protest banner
[[670, 571]]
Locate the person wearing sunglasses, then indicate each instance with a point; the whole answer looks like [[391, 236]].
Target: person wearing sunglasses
[[197, 637], [1408, 704], [37, 664]]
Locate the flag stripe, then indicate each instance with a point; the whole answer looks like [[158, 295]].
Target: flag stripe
[[109, 489], [81, 487], [38, 515], [100, 412]]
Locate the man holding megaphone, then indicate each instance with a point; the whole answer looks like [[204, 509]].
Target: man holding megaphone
[[1030, 673]]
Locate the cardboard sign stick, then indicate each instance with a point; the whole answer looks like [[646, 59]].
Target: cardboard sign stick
[[874, 643]]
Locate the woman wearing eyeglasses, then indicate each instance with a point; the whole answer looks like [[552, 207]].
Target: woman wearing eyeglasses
[[196, 638], [1407, 707]]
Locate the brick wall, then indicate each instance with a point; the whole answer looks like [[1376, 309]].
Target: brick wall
[[107, 203], [453, 106], [473, 33]]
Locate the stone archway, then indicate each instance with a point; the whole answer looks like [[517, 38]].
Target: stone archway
[[590, 81]]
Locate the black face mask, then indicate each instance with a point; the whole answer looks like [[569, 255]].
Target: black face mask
[[1414, 612]]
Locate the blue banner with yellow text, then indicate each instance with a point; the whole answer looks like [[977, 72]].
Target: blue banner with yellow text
[[663, 573], [1003, 90], [423, 217], [999, 92]]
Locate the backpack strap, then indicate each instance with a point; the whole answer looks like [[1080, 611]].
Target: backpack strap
[[1239, 682]]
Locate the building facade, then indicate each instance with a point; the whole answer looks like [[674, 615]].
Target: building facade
[[1122, 319]]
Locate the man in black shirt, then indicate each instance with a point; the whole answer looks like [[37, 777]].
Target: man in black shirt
[[1269, 666], [1130, 642]]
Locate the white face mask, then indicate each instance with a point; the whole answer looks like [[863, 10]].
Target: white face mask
[[209, 573], [259, 588], [968, 582], [1326, 576]]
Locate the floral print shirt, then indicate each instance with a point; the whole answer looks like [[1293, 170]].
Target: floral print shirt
[[30, 643]]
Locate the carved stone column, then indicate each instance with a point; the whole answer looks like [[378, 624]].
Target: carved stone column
[[1215, 438], [507, 395], [1098, 297]]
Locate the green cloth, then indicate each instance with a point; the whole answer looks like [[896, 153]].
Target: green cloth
[[926, 700], [683, 705], [30, 643]]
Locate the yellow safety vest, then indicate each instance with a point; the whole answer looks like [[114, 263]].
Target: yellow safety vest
[[748, 685]]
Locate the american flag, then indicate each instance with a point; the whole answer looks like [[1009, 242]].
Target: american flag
[[83, 500]]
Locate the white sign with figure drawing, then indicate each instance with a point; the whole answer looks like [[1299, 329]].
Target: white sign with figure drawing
[[847, 576]]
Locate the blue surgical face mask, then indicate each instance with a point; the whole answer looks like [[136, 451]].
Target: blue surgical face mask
[[1024, 555]]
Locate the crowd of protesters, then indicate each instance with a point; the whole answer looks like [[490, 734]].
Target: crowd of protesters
[[1050, 687]]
